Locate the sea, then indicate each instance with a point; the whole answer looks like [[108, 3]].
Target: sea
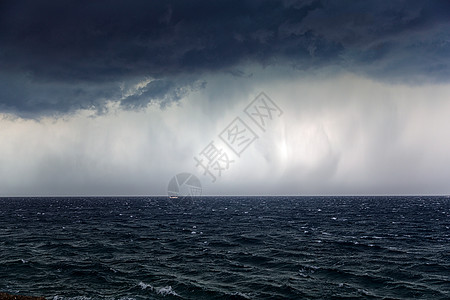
[[226, 247]]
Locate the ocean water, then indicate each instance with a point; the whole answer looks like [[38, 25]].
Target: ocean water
[[226, 248]]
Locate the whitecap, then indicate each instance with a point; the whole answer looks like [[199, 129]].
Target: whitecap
[[164, 291], [241, 295], [167, 290], [72, 298], [145, 286]]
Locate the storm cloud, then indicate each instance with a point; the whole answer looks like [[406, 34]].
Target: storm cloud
[[57, 57], [116, 97]]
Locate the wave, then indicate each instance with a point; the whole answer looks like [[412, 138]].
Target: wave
[[164, 291]]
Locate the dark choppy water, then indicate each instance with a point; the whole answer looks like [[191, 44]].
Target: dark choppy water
[[226, 248]]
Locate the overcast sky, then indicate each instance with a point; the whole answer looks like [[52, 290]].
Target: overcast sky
[[116, 97]]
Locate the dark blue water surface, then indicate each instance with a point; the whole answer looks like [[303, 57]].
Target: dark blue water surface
[[226, 248]]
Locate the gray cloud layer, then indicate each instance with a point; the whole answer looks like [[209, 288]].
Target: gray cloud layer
[[60, 56], [341, 135]]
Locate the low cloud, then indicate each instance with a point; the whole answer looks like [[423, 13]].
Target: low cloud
[[340, 135]]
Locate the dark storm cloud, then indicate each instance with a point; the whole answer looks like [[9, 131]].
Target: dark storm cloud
[[57, 56]]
